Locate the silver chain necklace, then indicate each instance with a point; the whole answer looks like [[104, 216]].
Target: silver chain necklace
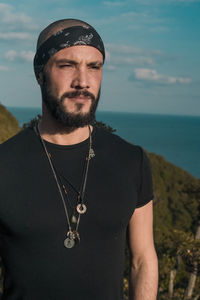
[[73, 236]]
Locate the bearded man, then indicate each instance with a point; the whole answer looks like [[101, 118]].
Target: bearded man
[[71, 193]]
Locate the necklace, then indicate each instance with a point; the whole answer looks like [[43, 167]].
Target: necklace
[[73, 236]]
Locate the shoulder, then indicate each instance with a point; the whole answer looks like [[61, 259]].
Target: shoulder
[[17, 145], [116, 144]]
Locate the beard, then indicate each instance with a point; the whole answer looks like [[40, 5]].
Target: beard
[[60, 113]]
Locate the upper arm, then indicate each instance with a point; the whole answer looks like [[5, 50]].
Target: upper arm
[[140, 233]]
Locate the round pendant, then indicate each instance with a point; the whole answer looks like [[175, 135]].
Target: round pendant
[[69, 243], [81, 208]]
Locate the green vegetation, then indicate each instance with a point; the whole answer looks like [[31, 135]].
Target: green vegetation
[[9, 126], [176, 222], [177, 231], [177, 228]]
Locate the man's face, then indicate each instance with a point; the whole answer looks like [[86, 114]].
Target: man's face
[[71, 85]]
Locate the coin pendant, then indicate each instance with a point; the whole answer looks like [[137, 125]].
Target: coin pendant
[[69, 243], [81, 208]]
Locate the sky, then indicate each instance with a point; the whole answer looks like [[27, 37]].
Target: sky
[[152, 52]]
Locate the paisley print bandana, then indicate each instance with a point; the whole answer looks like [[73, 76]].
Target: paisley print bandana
[[72, 36]]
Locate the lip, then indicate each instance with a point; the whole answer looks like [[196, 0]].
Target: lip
[[80, 98]]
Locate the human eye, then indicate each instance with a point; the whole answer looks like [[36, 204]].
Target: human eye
[[65, 65], [95, 66]]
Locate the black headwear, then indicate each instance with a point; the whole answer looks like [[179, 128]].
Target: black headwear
[[72, 36]]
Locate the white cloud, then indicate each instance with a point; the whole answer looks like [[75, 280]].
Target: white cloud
[[4, 68], [159, 29], [146, 74], [127, 49], [130, 55], [152, 75], [137, 60], [107, 55], [4, 7], [11, 55], [110, 67], [186, 1], [111, 4], [8, 16], [164, 2], [133, 14], [123, 49], [15, 36], [185, 80], [26, 56]]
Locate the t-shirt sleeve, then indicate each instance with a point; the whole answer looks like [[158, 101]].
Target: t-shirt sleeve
[[145, 187]]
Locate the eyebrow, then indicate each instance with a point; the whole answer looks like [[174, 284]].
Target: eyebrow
[[73, 62], [95, 63]]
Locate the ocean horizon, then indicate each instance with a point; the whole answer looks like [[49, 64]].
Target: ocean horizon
[[175, 137]]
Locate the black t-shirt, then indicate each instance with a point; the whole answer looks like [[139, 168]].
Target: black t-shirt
[[33, 224]]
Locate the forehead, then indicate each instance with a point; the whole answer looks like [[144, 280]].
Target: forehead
[[79, 53]]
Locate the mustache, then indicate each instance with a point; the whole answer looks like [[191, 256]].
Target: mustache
[[77, 94]]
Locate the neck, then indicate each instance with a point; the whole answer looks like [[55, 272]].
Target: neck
[[55, 133]]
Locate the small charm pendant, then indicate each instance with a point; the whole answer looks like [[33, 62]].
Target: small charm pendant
[[91, 154], [73, 219], [69, 243], [76, 236], [81, 208]]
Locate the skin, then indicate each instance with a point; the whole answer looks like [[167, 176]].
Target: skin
[[144, 263], [77, 68], [80, 68]]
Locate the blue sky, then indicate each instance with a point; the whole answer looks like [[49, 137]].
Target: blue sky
[[152, 50]]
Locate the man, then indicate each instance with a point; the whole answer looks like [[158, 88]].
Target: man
[[70, 191]]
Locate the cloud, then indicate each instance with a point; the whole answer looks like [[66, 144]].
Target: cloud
[[11, 55], [164, 2], [151, 75], [127, 55], [186, 1], [26, 56], [127, 49], [15, 36], [137, 60], [111, 4], [10, 17], [123, 49], [4, 68], [110, 67], [158, 29]]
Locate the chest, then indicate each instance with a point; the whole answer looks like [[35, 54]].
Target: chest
[[31, 203]]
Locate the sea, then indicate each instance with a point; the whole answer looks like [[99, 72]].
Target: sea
[[176, 138]]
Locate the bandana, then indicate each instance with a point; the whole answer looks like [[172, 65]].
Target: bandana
[[72, 36]]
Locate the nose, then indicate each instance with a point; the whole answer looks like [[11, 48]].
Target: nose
[[80, 80]]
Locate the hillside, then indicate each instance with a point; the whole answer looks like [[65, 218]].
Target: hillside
[[8, 124], [176, 222], [174, 203]]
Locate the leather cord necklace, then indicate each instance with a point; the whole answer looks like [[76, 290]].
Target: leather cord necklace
[[73, 236]]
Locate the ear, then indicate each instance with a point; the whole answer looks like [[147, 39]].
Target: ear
[[40, 79]]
